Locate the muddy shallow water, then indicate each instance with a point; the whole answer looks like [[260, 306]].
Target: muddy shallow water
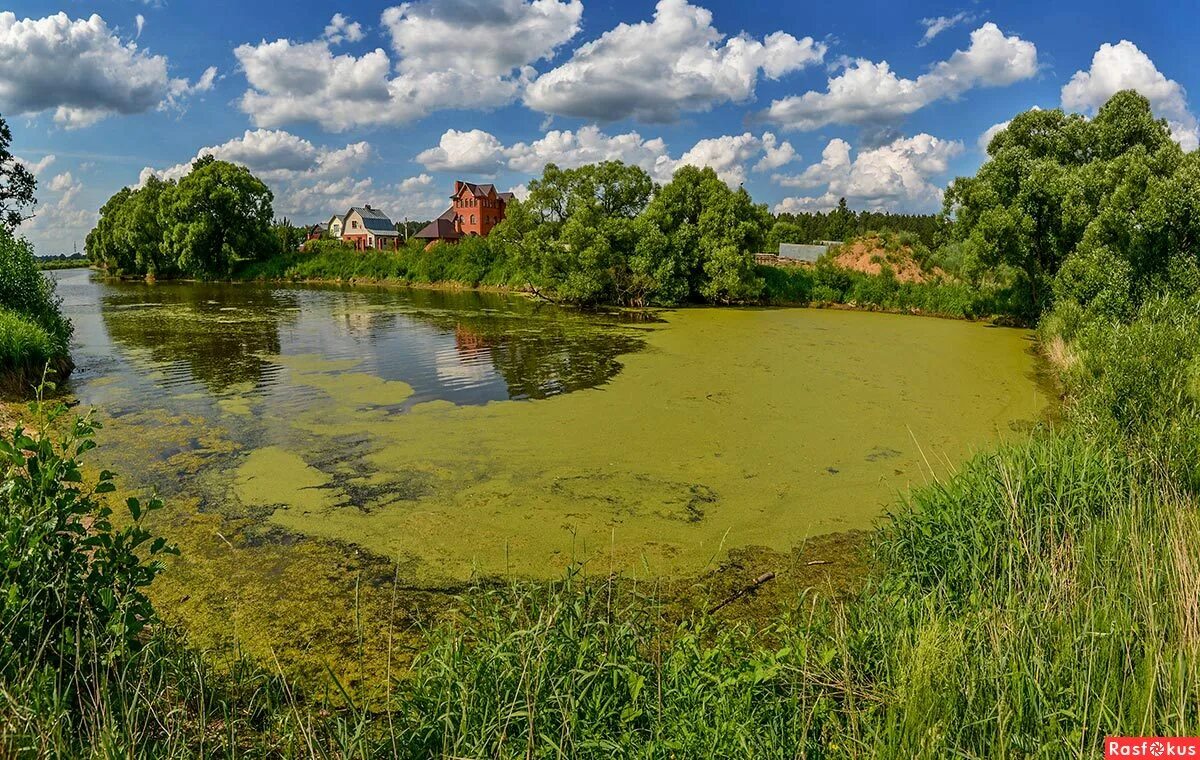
[[459, 434]]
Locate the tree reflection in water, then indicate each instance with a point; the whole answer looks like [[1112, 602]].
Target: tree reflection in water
[[217, 335], [465, 347]]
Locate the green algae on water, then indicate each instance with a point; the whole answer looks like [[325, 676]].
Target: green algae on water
[[436, 438]]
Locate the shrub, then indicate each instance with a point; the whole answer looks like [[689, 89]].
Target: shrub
[[26, 291], [74, 605], [790, 285]]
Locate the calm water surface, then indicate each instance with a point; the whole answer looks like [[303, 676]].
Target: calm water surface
[[467, 433]]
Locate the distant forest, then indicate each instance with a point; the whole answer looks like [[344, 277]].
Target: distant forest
[[843, 223]]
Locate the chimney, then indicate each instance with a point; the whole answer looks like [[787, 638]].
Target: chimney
[[368, 207], [457, 186]]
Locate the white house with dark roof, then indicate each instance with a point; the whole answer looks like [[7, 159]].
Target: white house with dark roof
[[368, 228], [335, 225]]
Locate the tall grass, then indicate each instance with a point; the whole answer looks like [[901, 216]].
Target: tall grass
[[1044, 596]]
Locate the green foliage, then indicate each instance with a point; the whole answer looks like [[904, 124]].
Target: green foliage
[[1103, 200], [218, 216], [17, 184], [842, 223], [74, 605], [288, 237], [26, 292], [33, 331], [604, 234], [25, 349], [472, 262], [209, 223]]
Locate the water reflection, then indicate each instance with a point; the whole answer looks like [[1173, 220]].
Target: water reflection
[[199, 333], [464, 347]]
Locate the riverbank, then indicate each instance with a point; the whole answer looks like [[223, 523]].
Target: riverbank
[[783, 287], [34, 336]]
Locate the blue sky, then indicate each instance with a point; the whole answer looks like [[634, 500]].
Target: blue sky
[[387, 104]]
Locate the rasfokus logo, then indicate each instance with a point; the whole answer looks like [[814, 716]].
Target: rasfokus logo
[[1151, 746]]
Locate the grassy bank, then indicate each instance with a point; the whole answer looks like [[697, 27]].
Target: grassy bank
[[830, 285], [471, 263], [34, 335]]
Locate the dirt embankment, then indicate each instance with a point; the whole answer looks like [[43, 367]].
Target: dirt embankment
[[871, 253]]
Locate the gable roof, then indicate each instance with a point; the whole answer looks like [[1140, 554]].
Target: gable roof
[[374, 220], [479, 191], [441, 228]]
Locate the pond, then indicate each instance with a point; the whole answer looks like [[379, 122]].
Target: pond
[[346, 454], [463, 433]]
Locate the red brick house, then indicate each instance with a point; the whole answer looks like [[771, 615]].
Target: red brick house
[[474, 210]]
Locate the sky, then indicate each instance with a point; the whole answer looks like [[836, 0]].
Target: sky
[[386, 103]]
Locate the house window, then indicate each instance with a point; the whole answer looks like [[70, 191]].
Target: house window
[[472, 218], [354, 224]]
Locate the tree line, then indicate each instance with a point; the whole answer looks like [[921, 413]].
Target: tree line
[[842, 223], [1107, 201]]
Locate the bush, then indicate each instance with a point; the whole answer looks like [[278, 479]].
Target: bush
[[24, 290], [74, 606], [786, 285]]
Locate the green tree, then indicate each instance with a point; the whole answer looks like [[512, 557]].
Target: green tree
[[713, 233], [17, 184], [1056, 185], [842, 222], [579, 234], [217, 217]]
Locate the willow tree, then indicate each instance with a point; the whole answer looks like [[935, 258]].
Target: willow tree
[[218, 216], [1058, 186]]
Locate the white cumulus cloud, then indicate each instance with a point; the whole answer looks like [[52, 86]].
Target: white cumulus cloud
[[1124, 66], [313, 182], [341, 29], [80, 70], [498, 36], [656, 70], [869, 93], [896, 176], [307, 82], [477, 151]]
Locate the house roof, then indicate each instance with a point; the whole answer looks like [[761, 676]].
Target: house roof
[[508, 196], [337, 218], [479, 191], [441, 228], [375, 220]]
